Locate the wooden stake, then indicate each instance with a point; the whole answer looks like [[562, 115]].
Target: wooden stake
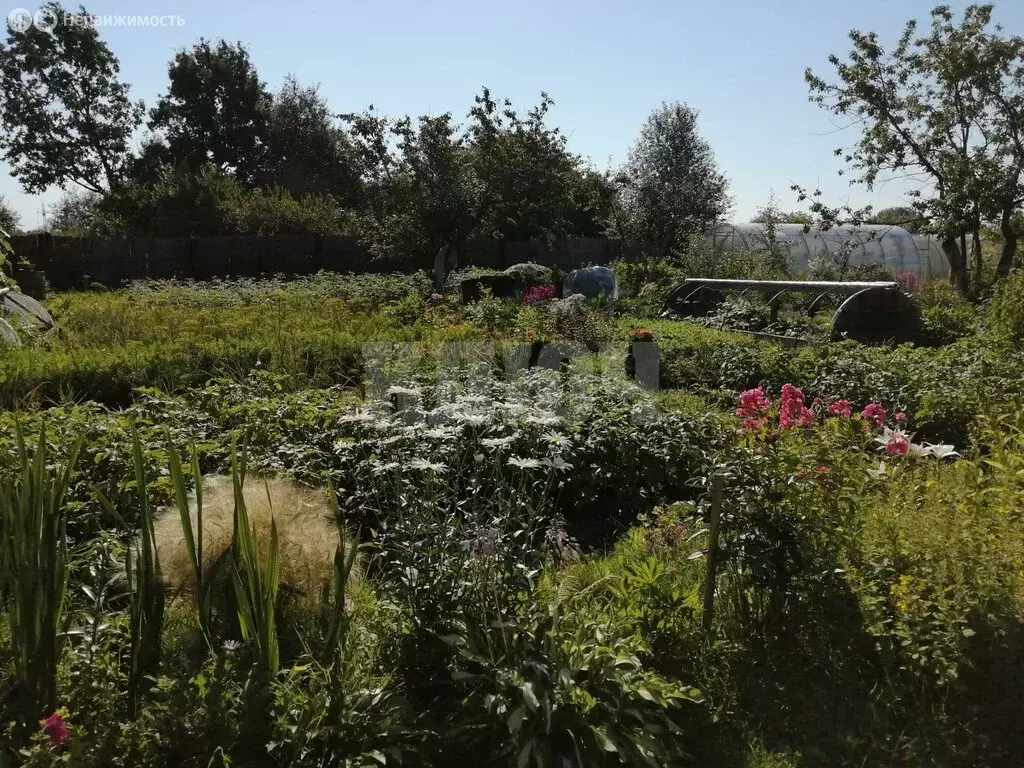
[[709, 581]]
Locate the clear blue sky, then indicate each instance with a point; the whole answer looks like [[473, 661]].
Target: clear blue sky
[[606, 64]]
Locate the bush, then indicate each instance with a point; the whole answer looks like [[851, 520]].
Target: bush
[[1005, 315], [947, 315]]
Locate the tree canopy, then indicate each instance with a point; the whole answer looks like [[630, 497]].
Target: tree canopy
[[945, 110], [670, 186], [65, 115], [216, 109]]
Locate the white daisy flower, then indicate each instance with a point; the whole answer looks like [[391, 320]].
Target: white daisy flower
[[428, 466], [523, 463], [558, 463], [556, 438], [497, 442]]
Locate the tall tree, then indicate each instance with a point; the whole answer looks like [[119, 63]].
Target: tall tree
[[215, 110], [943, 110], [532, 186], [670, 185], [307, 152], [65, 116], [420, 189]]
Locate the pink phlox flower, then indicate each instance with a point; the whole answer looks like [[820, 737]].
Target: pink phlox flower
[[840, 408], [55, 728], [900, 416], [793, 411], [753, 405], [897, 443], [539, 294], [874, 412]]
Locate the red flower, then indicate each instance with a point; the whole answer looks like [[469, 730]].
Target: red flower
[[539, 294], [900, 416], [897, 444], [642, 334], [874, 412], [840, 408], [54, 727], [823, 470]]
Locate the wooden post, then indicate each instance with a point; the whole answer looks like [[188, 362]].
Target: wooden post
[[713, 521]]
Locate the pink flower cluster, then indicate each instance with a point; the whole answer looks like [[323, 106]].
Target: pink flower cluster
[[754, 405], [874, 412], [897, 443], [793, 411], [539, 294], [840, 408], [56, 729]]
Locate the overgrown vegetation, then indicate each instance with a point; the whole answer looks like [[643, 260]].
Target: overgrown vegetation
[[532, 544]]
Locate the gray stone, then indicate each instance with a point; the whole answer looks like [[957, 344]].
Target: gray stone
[[592, 282]]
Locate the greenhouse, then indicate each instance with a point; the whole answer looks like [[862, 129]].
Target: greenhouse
[[891, 246]]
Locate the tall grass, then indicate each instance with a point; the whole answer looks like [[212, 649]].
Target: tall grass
[[34, 573], [255, 585]]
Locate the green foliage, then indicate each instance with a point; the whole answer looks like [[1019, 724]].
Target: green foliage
[[308, 153], [948, 87], [670, 187], [255, 583], [34, 578], [78, 214], [8, 218], [206, 201], [1005, 312], [66, 117], [215, 109], [114, 342], [549, 688], [142, 571], [947, 315], [533, 188], [904, 216]]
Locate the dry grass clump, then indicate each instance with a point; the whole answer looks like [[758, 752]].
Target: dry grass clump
[[306, 531]]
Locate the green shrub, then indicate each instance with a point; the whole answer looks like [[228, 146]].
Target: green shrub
[[947, 315], [1005, 313]]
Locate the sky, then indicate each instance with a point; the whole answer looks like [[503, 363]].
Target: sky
[[606, 64]]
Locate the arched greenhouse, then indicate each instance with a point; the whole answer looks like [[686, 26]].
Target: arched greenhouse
[[885, 244]]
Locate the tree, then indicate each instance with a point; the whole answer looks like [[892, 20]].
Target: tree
[[215, 110], [307, 151], [65, 115], [76, 213], [670, 185], [420, 190], [784, 217], [944, 110], [533, 188], [899, 216], [8, 217]]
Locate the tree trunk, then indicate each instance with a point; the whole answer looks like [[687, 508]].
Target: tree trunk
[[1009, 251], [957, 264]]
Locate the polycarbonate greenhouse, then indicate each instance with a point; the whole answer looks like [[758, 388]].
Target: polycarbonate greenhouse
[[885, 244]]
